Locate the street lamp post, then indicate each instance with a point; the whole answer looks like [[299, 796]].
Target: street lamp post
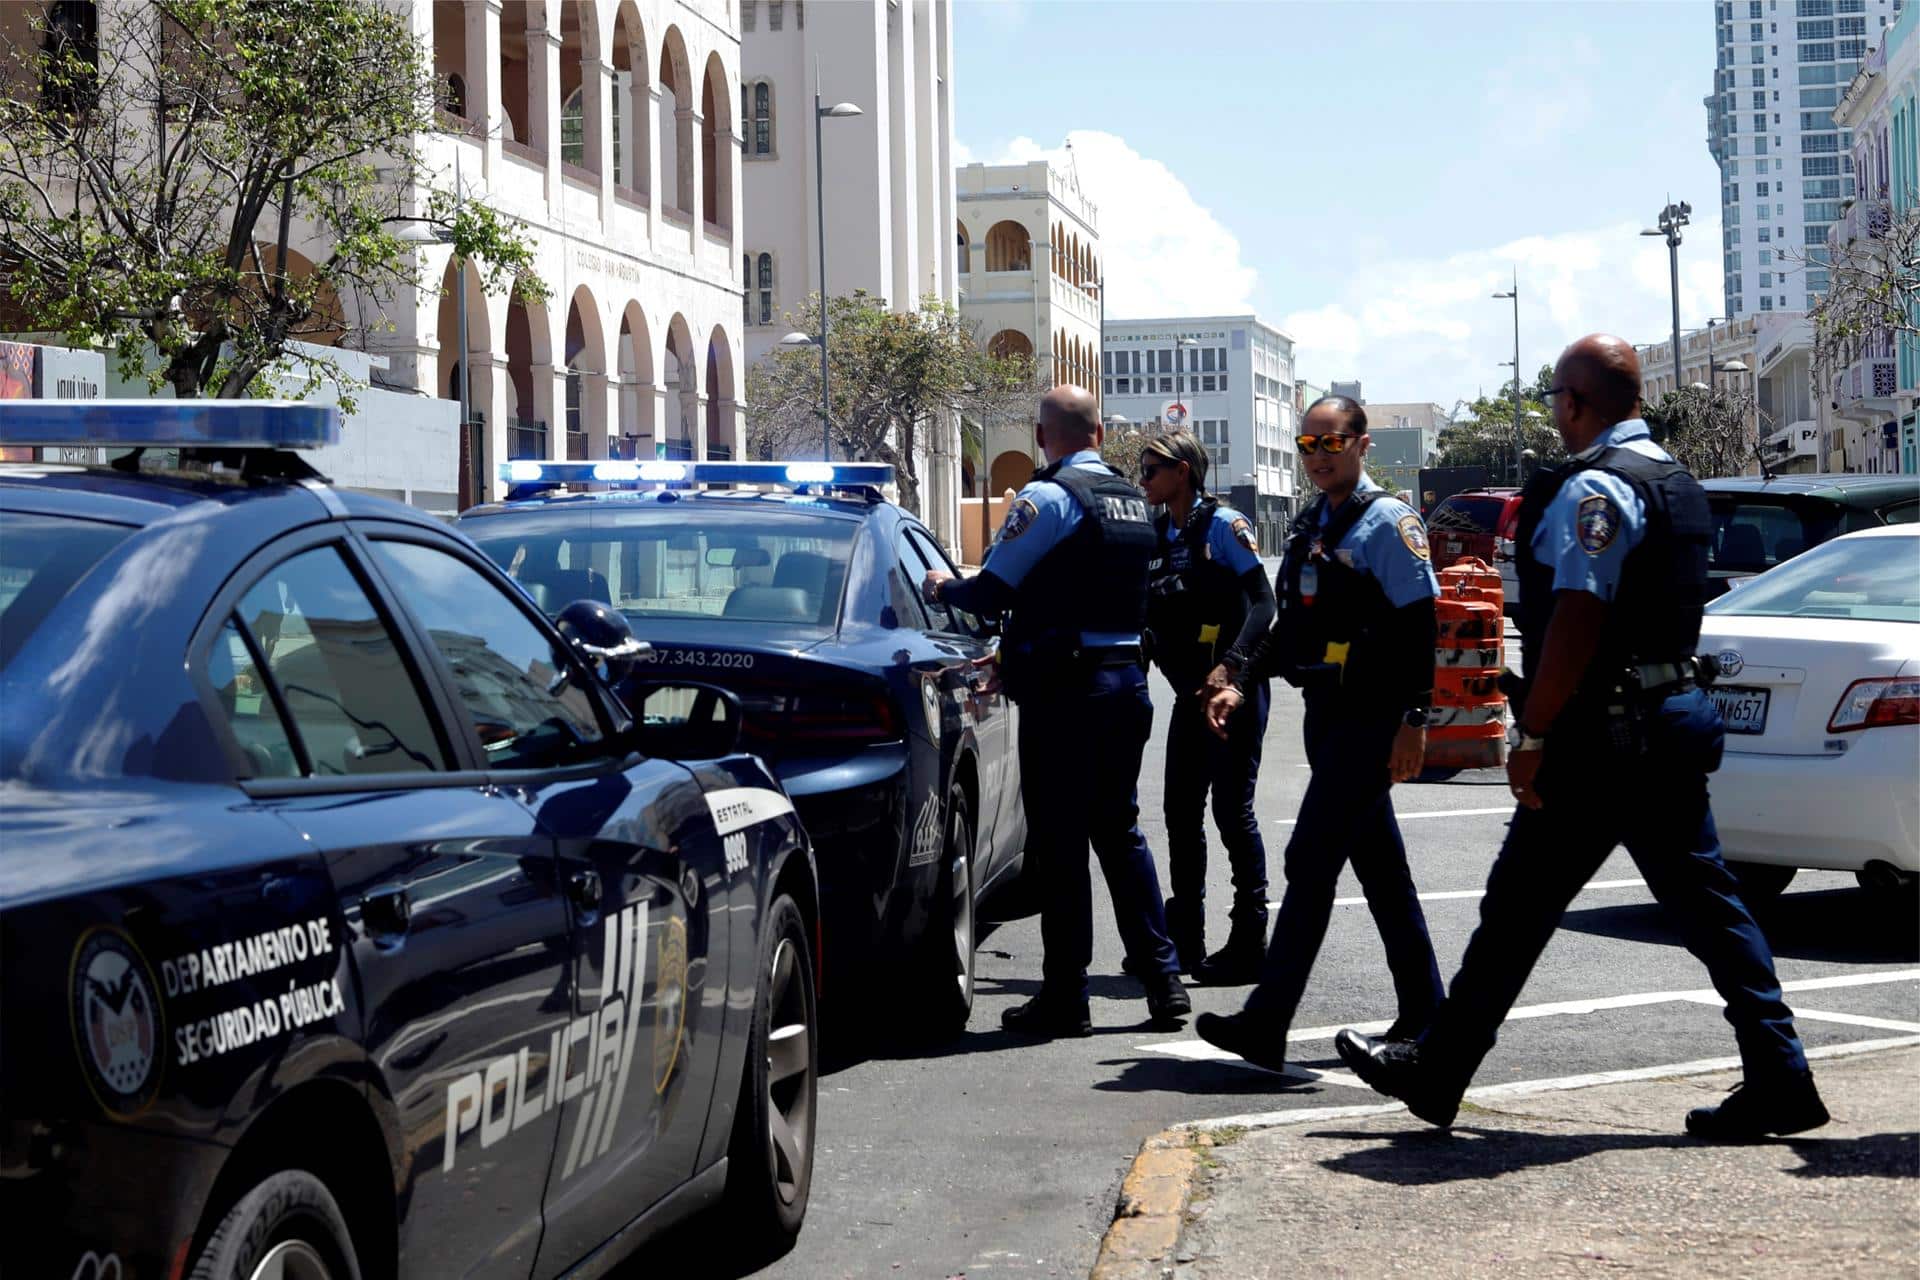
[[838, 111], [1514, 293], [1672, 218]]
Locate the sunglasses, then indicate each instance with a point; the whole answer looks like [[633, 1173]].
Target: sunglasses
[[1332, 442], [1573, 397], [1149, 470]]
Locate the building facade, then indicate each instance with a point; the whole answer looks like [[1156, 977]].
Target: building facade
[[1406, 437], [1785, 166], [1775, 354], [1227, 379], [1027, 246], [888, 177]]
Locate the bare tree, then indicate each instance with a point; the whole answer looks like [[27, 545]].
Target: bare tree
[[1873, 286], [1711, 432]]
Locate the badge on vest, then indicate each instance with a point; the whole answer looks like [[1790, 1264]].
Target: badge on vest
[[1019, 519], [1414, 534], [1243, 534], [1598, 521]]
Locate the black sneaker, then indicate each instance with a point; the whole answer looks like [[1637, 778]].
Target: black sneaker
[[1243, 1034], [1048, 1017], [1393, 1067], [1789, 1105], [1167, 1001]]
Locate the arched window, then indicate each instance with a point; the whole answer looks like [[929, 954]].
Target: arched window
[[761, 139], [963, 254], [72, 45], [573, 129], [764, 289], [746, 288], [453, 99]]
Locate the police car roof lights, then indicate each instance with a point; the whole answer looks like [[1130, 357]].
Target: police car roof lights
[[527, 475], [165, 424]]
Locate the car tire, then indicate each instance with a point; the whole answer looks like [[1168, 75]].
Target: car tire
[[287, 1225], [943, 976], [770, 1155], [1761, 881]]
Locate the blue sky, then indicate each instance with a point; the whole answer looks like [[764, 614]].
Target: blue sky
[[1365, 174]]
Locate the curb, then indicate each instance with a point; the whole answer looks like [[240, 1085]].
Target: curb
[[1147, 1218]]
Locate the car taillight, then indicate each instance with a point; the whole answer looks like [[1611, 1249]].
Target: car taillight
[[789, 720], [1868, 704]]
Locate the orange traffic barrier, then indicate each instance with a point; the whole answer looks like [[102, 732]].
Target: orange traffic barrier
[[1471, 746], [1467, 687], [1467, 728], [1472, 579]]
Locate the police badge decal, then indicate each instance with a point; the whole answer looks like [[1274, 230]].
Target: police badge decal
[[116, 1015], [1597, 520], [1414, 534], [1243, 533], [1019, 516]]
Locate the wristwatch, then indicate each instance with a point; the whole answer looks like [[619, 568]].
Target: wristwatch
[[1528, 741], [1414, 717]]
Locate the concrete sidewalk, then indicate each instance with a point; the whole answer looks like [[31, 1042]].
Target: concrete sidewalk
[[1573, 1182]]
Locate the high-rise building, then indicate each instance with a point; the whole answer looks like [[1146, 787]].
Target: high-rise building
[[889, 206], [1227, 379], [1785, 167]]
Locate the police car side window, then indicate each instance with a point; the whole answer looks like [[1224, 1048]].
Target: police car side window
[[339, 673], [250, 705], [961, 622], [529, 703]]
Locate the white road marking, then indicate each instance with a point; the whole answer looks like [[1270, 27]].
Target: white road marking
[[1444, 895], [1428, 813], [1522, 1088], [1822, 1015]]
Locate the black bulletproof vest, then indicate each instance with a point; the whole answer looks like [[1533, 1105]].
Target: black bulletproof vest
[[1347, 607], [1096, 580], [1194, 605], [1655, 615]]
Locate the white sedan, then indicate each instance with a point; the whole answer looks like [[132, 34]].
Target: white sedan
[[1820, 689]]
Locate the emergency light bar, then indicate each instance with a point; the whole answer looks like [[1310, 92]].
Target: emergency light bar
[[163, 424], [789, 475]]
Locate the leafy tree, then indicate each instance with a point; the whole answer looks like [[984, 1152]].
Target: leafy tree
[[1482, 432], [149, 191], [890, 372], [1712, 432], [1873, 289], [1121, 449]]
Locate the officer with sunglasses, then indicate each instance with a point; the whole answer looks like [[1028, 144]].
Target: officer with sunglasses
[[1355, 632], [1069, 569], [1208, 606], [1616, 742]]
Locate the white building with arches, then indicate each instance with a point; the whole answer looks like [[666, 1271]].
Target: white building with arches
[[1030, 267]]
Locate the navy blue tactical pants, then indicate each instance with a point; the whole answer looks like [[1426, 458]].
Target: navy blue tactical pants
[[1199, 761], [1079, 765], [1347, 813], [1656, 805]]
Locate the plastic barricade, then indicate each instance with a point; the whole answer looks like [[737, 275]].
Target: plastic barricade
[[1467, 728]]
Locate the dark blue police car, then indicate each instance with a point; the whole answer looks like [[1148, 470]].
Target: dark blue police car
[[349, 924], [876, 709]]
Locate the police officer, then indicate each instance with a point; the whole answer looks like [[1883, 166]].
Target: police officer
[[1616, 742], [1355, 631], [1069, 568], [1208, 606]]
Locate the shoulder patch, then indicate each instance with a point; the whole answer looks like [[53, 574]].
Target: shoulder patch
[[1598, 520], [1243, 534], [1020, 517], [1414, 534]]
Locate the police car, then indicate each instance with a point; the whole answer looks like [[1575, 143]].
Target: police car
[[795, 586], [349, 924]]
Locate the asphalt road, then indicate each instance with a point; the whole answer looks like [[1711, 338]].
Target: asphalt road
[[996, 1156]]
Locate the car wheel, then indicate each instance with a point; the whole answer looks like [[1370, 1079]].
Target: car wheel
[[770, 1158], [287, 1227], [943, 979], [1761, 881]]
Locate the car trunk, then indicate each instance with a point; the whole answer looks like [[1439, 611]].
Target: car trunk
[[1792, 673]]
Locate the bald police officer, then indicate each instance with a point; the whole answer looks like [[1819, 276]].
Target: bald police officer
[[1617, 740], [1069, 569]]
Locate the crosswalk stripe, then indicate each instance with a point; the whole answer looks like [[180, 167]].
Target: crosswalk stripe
[[1426, 813]]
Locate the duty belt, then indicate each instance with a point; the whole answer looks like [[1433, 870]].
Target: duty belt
[[1110, 655], [1666, 678]]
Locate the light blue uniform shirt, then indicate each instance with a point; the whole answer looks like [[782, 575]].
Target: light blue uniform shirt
[[1224, 545], [1044, 515], [1596, 518], [1389, 544]]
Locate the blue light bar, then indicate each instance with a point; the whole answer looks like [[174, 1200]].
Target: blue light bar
[[785, 475], [163, 424]]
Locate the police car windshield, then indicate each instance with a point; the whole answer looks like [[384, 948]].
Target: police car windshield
[[1866, 579], [41, 557], [689, 560]]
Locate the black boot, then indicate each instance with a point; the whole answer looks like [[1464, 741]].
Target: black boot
[[1756, 1110], [1238, 963], [1187, 928]]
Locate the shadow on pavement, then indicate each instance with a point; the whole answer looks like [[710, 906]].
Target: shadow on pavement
[[1830, 924], [1162, 1074], [1432, 1157]]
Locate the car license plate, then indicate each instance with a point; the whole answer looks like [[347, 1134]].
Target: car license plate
[[1744, 710]]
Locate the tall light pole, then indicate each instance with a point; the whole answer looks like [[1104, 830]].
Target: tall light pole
[[1514, 293], [1672, 218], [838, 111]]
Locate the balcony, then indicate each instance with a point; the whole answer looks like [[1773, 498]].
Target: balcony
[[1864, 219]]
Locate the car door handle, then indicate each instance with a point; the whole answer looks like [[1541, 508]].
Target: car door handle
[[584, 888], [388, 909]]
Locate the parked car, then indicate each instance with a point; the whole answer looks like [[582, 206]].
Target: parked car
[[1759, 522], [872, 706], [350, 924], [1820, 688], [1478, 523]]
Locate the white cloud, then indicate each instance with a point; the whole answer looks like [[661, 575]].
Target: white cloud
[[1428, 329], [1166, 253]]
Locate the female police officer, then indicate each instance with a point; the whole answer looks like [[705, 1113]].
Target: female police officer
[[1355, 631], [1208, 606]]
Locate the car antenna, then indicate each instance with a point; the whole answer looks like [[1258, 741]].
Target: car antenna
[[1760, 456]]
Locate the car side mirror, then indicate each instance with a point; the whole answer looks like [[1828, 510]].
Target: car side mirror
[[600, 634], [682, 721]]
